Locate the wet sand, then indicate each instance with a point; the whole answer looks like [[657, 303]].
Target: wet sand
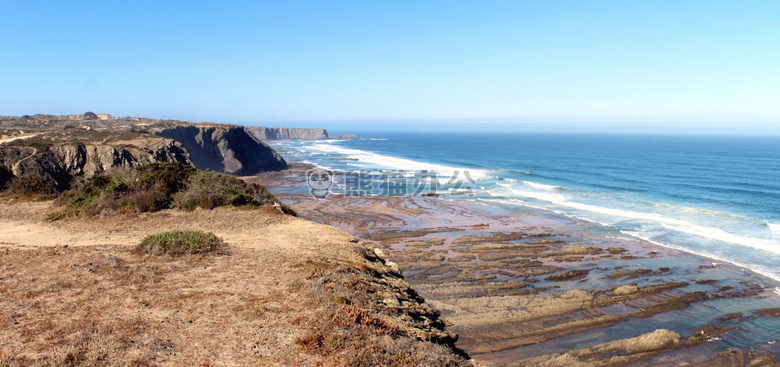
[[533, 288]]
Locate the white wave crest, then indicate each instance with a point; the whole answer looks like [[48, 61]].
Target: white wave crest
[[389, 162], [681, 226], [544, 196], [755, 268], [774, 227], [675, 224], [540, 186]]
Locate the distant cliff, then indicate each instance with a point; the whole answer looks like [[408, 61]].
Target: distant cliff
[[224, 148], [284, 133], [60, 148], [59, 164]]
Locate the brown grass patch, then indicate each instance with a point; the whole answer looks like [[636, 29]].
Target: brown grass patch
[[110, 306]]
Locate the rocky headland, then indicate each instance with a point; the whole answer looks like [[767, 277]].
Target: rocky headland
[[286, 133], [61, 148], [223, 148]]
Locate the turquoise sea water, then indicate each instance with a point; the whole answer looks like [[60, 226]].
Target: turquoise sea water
[[717, 196]]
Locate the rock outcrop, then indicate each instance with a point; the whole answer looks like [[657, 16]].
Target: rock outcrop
[[346, 136], [63, 147], [59, 164], [224, 148], [284, 133]]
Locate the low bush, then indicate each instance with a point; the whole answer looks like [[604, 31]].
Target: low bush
[[167, 177], [181, 243], [211, 189], [30, 186], [164, 185]]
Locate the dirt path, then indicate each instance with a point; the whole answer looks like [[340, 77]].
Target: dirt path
[[24, 225], [8, 140]]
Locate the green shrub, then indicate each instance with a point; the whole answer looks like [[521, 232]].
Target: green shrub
[[164, 185], [181, 243], [144, 189], [168, 177], [30, 186], [57, 215], [40, 145], [88, 191], [146, 201], [211, 189]]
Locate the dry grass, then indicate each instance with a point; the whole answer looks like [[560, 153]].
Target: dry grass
[[110, 306], [303, 294], [367, 316]]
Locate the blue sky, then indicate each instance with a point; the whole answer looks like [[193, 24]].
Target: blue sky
[[545, 65]]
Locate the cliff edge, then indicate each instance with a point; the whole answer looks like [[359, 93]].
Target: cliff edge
[[285, 133], [60, 148], [59, 164], [224, 148]]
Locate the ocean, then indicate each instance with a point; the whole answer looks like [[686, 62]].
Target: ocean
[[714, 196]]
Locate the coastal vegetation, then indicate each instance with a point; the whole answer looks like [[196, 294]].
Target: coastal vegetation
[[181, 243], [161, 185], [29, 187]]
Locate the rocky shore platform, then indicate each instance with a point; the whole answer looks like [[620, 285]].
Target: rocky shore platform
[[530, 288]]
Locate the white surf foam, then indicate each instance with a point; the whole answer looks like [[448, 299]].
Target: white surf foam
[[668, 222], [681, 226], [774, 227], [540, 186], [686, 209], [389, 162], [544, 196], [755, 268]]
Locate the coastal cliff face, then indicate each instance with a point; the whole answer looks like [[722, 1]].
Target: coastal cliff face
[[63, 147], [59, 164], [284, 133], [224, 148]]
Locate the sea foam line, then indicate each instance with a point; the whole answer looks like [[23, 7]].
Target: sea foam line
[[541, 186], [670, 223], [754, 268], [385, 161]]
